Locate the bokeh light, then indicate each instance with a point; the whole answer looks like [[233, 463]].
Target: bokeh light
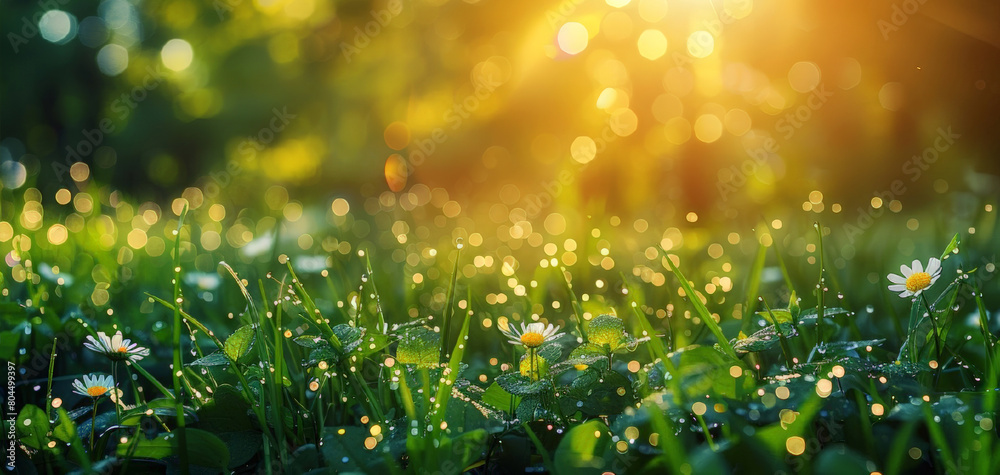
[[57, 26], [177, 54], [112, 59], [573, 38]]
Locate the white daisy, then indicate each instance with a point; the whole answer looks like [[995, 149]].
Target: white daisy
[[93, 385], [915, 279], [116, 347], [531, 335]]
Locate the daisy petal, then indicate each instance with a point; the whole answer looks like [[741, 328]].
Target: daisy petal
[[917, 266], [116, 341], [933, 266], [896, 279], [905, 270], [897, 287]]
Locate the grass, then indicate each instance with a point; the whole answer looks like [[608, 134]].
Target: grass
[[375, 360]]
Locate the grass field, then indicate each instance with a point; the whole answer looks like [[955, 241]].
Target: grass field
[[360, 336]]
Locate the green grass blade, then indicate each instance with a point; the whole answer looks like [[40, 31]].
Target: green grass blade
[[700, 308], [378, 302], [577, 307], [450, 375], [449, 307], [178, 364], [753, 284]]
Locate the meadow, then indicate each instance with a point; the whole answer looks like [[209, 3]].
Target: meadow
[[497, 237], [414, 344]]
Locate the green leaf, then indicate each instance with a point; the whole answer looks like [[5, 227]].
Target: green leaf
[[226, 412], [371, 343], [587, 354], [103, 421], [242, 446], [550, 351], [606, 331], [763, 339], [65, 429], [325, 353], [498, 398], [32, 427], [350, 337], [519, 385], [238, 345], [527, 407], [311, 341], [599, 392], [215, 359], [952, 246], [810, 314], [581, 452], [841, 347], [782, 315], [134, 416], [420, 346], [204, 448]]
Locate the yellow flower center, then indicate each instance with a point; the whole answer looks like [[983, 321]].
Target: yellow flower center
[[123, 350], [532, 339], [918, 281], [95, 391]]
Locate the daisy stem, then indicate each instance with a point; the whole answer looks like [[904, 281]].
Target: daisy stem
[[937, 337], [93, 425], [531, 358], [117, 398]]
